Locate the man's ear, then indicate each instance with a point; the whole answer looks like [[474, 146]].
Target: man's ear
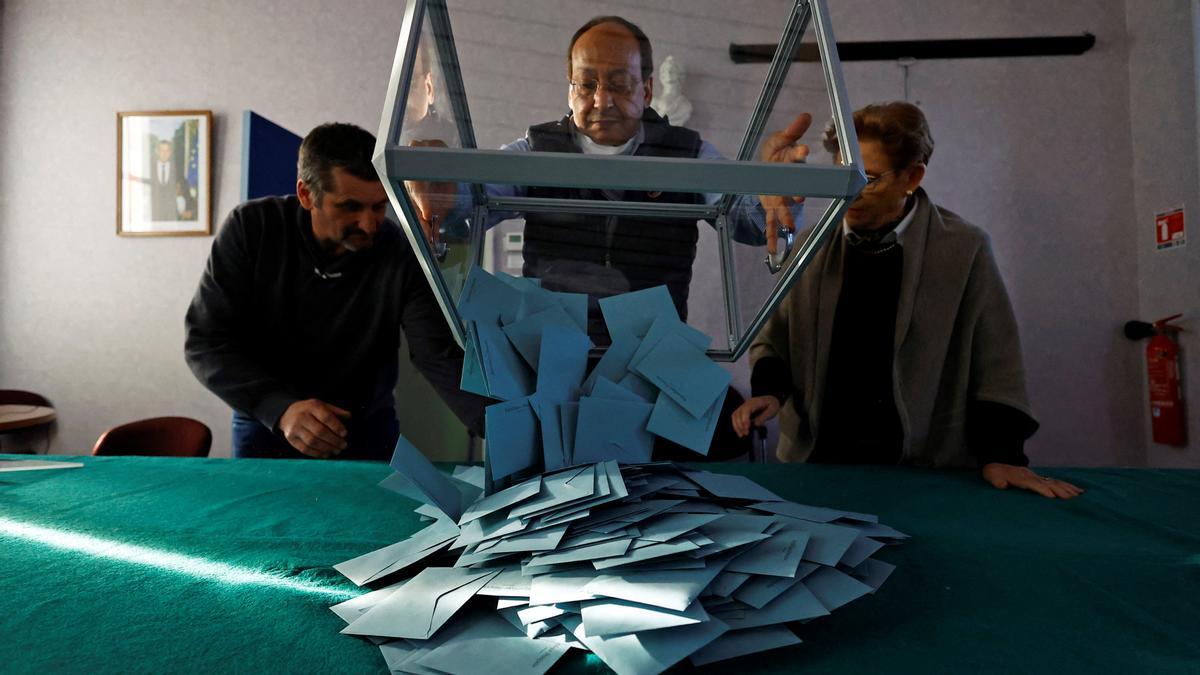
[[648, 88], [305, 195], [916, 173]]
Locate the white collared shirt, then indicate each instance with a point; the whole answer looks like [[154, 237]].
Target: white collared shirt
[[896, 235]]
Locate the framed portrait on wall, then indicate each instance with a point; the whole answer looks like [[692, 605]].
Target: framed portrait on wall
[[164, 173]]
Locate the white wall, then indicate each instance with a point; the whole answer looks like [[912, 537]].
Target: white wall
[[1163, 105], [1038, 151]]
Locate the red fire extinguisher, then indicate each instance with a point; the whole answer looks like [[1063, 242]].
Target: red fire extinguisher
[[1168, 415]]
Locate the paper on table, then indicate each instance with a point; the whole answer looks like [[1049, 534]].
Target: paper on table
[[874, 572], [650, 652], [395, 557], [672, 589], [859, 551], [612, 430], [777, 556], [795, 604], [827, 543], [437, 488], [353, 608], [684, 373], [817, 514], [423, 605], [512, 438], [490, 640], [614, 617], [834, 589], [633, 313], [499, 500], [742, 642], [730, 486], [559, 489]]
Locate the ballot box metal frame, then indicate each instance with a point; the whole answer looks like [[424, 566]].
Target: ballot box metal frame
[[397, 162]]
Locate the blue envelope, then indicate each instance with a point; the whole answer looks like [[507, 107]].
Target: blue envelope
[[610, 429], [550, 421], [512, 438], [673, 423], [569, 414], [508, 377], [660, 329], [685, 373], [473, 379], [486, 299], [615, 361], [435, 486], [562, 362], [606, 388], [633, 313], [526, 334]]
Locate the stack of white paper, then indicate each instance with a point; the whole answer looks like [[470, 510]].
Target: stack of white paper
[[643, 565]]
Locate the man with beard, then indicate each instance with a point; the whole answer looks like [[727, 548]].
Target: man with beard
[[296, 322]]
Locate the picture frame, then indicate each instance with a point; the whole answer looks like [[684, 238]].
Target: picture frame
[[164, 173]]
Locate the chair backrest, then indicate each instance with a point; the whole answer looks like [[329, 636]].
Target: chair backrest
[[157, 436], [18, 397]]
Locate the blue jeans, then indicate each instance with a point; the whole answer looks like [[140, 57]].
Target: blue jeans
[[373, 437]]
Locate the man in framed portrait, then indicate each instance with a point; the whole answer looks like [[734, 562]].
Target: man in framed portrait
[[166, 187]]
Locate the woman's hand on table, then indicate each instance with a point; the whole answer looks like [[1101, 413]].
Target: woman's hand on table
[[1003, 476], [763, 408]]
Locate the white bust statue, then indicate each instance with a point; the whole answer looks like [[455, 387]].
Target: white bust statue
[[669, 100]]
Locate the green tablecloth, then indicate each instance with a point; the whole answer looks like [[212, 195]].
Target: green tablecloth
[[167, 565]]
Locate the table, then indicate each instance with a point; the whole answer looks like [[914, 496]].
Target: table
[[21, 416], [145, 564]]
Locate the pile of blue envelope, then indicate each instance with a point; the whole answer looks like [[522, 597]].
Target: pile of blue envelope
[[643, 565], [528, 347]]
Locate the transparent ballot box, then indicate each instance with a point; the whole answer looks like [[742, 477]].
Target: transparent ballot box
[[606, 196]]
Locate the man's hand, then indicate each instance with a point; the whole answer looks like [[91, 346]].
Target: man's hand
[[315, 428], [1005, 475], [762, 407], [434, 200], [781, 147]]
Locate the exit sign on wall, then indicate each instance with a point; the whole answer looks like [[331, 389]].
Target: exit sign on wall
[[1168, 229]]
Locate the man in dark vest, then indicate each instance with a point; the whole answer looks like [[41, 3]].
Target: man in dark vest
[[609, 69]]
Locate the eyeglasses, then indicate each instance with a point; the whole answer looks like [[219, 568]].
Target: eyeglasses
[[874, 182], [622, 86]]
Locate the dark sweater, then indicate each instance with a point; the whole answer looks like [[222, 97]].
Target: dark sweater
[[275, 320]]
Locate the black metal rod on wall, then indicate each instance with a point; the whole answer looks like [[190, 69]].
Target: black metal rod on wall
[[892, 50]]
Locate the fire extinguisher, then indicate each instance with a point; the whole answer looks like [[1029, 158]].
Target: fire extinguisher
[[1168, 415]]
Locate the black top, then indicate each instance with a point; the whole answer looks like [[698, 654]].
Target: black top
[[607, 255], [276, 320], [859, 423]]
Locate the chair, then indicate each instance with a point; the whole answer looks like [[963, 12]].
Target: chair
[[18, 397], [157, 436]]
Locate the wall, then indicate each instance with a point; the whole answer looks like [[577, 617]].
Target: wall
[[93, 321], [96, 321], [1163, 105]]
